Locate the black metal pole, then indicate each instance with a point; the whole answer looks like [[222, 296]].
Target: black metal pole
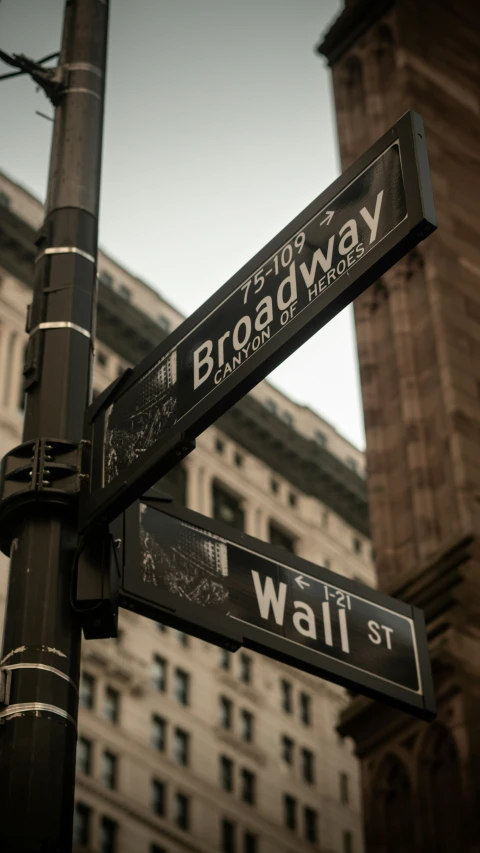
[[41, 649]]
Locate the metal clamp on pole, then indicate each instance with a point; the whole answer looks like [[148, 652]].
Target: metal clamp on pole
[[24, 685], [44, 470]]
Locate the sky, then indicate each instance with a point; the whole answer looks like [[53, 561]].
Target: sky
[[219, 129]]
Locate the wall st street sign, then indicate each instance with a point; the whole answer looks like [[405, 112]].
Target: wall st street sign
[[193, 573], [378, 210]]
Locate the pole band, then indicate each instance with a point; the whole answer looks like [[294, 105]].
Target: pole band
[[80, 91], [22, 707], [62, 325], [42, 666], [65, 250]]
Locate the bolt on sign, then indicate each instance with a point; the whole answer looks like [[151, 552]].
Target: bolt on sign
[[378, 210], [193, 573]]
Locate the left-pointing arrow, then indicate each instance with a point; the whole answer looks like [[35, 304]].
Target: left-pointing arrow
[[299, 579]]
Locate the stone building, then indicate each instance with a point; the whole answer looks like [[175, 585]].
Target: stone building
[[184, 748], [418, 332]]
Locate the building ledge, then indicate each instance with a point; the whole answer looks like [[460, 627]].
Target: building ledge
[[119, 664], [307, 466]]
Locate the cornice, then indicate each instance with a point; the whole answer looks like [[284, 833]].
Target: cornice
[[350, 25], [310, 468]]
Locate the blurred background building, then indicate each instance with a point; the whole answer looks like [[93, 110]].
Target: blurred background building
[[184, 748], [418, 332]]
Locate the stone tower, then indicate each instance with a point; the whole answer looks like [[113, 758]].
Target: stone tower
[[418, 331]]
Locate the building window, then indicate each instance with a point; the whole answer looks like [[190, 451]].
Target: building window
[[181, 686], [290, 811], [308, 766], [326, 562], [4, 199], [164, 323], [106, 279], [352, 463], [84, 756], [286, 749], [227, 508], [81, 824], [245, 673], [248, 786], [219, 445], [347, 842], [159, 673], [102, 359], [286, 697], [306, 709], [225, 659], [320, 438], [288, 419], [310, 824], [159, 733], [181, 811], [109, 770], [228, 836], [225, 712], [87, 690], [281, 539], [292, 499], [108, 835], [271, 406], [125, 292], [161, 627], [182, 638], [238, 459], [181, 743], [226, 773], [175, 483], [274, 486], [246, 725], [111, 704], [357, 545], [344, 788], [250, 843], [157, 792]]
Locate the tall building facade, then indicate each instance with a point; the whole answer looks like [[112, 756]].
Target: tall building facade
[[418, 331], [184, 748]]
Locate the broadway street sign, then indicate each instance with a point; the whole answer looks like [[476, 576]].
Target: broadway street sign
[[195, 574], [378, 210]]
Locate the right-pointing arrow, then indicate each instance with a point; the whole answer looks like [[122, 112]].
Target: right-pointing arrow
[[328, 217]]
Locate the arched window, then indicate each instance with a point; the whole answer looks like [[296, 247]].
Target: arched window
[[392, 817], [355, 89], [398, 809], [385, 51], [441, 787]]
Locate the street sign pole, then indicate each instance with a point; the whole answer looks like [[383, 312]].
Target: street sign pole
[[196, 574], [39, 669]]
